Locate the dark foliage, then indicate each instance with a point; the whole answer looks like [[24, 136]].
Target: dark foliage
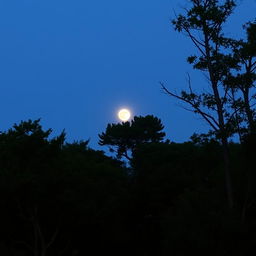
[[66, 199], [62, 198], [127, 136]]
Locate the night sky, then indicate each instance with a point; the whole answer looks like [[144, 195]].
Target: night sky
[[75, 63]]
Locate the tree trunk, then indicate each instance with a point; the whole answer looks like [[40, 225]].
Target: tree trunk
[[248, 111], [228, 182], [221, 121]]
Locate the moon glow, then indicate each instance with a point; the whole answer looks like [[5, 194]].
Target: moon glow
[[124, 114]]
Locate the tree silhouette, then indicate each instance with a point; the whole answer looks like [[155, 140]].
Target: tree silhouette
[[26, 155], [51, 192], [203, 24], [126, 136], [242, 81]]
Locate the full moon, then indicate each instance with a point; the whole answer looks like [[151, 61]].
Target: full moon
[[124, 114]]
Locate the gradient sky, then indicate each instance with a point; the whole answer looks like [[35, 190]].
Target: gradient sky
[[75, 63]]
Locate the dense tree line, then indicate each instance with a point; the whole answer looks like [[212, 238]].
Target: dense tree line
[[152, 196], [61, 198]]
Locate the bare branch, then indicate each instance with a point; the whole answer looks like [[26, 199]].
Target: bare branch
[[225, 94], [52, 238], [208, 118], [253, 67], [195, 41]]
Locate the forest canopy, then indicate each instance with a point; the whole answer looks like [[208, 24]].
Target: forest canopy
[[149, 195]]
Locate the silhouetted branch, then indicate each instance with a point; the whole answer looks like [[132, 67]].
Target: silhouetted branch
[[210, 119], [253, 67], [53, 238], [196, 42]]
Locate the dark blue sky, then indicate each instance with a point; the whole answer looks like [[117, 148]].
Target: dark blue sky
[[75, 63]]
